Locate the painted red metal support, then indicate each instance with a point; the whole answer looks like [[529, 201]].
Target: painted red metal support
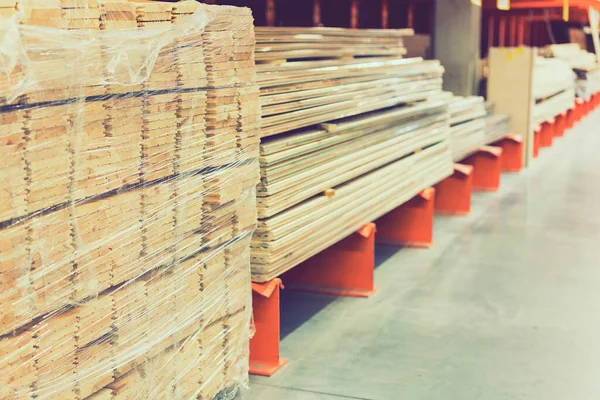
[[354, 14], [317, 13], [589, 106], [560, 125], [344, 269], [270, 17], [491, 31], [264, 345], [453, 194], [512, 153], [385, 14], [571, 117], [520, 31], [579, 110], [537, 135], [547, 134], [512, 31], [411, 224], [502, 31], [410, 16], [487, 168]]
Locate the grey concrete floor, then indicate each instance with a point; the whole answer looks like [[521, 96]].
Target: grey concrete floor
[[505, 305]]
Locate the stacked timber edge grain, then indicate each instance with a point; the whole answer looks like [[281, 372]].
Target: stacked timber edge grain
[[553, 89], [497, 126], [347, 136], [129, 160], [467, 132]]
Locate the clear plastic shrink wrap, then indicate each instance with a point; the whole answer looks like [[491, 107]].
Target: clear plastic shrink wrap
[[129, 156]]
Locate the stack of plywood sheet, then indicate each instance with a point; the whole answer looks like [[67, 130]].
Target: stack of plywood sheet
[[129, 159], [467, 133], [584, 64], [344, 139], [304, 93], [282, 44], [553, 89], [497, 126]]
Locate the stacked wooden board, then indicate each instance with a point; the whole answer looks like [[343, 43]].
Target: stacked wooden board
[[129, 146], [344, 140], [497, 126], [279, 44], [584, 64], [309, 91], [553, 89], [467, 132]]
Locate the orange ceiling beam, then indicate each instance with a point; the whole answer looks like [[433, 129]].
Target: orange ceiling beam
[[521, 4]]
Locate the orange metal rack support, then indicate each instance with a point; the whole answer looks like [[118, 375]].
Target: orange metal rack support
[[411, 224], [487, 164], [453, 194], [537, 134], [344, 269], [571, 117], [547, 134], [580, 108], [560, 125], [588, 106], [512, 153], [264, 345]]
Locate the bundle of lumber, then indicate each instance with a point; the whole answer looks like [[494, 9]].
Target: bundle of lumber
[[585, 66], [347, 135], [575, 56], [280, 44], [129, 147], [304, 93], [553, 88], [286, 239], [497, 126], [467, 132], [319, 185]]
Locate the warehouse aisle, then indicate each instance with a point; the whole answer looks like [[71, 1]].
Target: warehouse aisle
[[505, 305]]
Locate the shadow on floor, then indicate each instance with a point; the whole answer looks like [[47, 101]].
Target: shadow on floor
[[383, 253], [299, 307], [296, 308]]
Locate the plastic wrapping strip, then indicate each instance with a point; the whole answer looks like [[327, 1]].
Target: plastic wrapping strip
[[134, 317], [222, 155], [157, 214], [102, 58], [197, 312], [126, 62]]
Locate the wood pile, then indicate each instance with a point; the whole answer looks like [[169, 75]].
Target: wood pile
[[346, 137], [467, 132], [129, 146], [553, 89], [497, 126], [584, 64], [283, 44]]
